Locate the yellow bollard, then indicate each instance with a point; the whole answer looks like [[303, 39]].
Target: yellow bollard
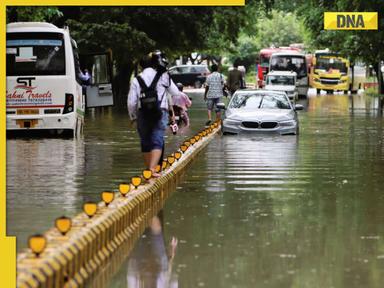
[[63, 224], [124, 189], [136, 181], [90, 209], [37, 244], [107, 197]]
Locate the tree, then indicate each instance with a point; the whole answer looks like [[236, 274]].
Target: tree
[[29, 13], [276, 28], [131, 32], [357, 45]]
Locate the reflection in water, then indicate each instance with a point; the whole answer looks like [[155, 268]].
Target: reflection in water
[[41, 175], [272, 211], [254, 211], [150, 264]]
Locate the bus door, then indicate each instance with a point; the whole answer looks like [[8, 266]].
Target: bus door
[[98, 89]]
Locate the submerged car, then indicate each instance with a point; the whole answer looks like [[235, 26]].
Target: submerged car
[[261, 111], [282, 81]]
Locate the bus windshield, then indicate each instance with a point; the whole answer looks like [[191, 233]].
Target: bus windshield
[[35, 53], [289, 63], [329, 63]]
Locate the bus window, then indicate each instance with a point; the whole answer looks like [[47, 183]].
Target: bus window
[[289, 63], [35, 53]]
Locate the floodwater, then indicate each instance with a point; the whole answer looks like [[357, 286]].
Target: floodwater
[[252, 211]]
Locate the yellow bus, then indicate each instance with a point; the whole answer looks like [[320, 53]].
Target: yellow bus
[[330, 72]]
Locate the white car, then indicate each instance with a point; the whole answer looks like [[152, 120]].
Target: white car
[[284, 81], [261, 111]]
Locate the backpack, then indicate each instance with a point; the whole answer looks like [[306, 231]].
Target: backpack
[[149, 102]]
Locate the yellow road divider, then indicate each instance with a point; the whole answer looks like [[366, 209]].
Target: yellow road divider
[[74, 251]]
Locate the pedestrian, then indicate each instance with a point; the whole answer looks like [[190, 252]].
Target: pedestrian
[[85, 79], [181, 103], [235, 78], [260, 75], [148, 106], [243, 70], [213, 92]]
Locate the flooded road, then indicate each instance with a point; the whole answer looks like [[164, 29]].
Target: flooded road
[[253, 211]]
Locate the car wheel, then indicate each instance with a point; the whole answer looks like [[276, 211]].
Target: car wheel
[[318, 91], [197, 84]]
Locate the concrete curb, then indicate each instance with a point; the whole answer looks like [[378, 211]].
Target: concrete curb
[[68, 261]]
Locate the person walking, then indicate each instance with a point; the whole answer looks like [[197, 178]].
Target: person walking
[[235, 79], [213, 92], [148, 106]]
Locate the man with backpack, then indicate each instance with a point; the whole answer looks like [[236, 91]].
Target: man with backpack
[[148, 105]]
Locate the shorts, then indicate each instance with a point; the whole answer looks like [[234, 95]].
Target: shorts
[[152, 137], [212, 102]]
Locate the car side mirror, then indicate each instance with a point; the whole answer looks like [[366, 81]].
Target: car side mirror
[[299, 107], [221, 106]]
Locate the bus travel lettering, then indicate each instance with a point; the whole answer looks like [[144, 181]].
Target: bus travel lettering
[[29, 96]]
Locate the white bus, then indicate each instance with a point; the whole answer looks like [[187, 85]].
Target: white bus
[[44, 85], [295, 62]]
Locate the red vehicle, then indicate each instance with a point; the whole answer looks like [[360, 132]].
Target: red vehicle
[[264, 56]]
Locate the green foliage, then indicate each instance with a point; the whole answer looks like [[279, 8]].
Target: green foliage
[[363, 45], [366, 46], [277, 28], [30, 13]]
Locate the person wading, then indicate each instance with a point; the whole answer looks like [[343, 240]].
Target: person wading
[[235, 79], [213, 92], [148, 104]]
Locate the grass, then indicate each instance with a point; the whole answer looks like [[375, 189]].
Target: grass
[[373, 92]]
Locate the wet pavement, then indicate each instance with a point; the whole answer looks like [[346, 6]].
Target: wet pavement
[[252, 211]]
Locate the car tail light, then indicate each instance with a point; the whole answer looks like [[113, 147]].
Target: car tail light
[[68, 106]]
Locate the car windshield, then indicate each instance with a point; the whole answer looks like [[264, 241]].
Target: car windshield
[[289, 63], [35, 54], [280, 80], [251, 101]]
